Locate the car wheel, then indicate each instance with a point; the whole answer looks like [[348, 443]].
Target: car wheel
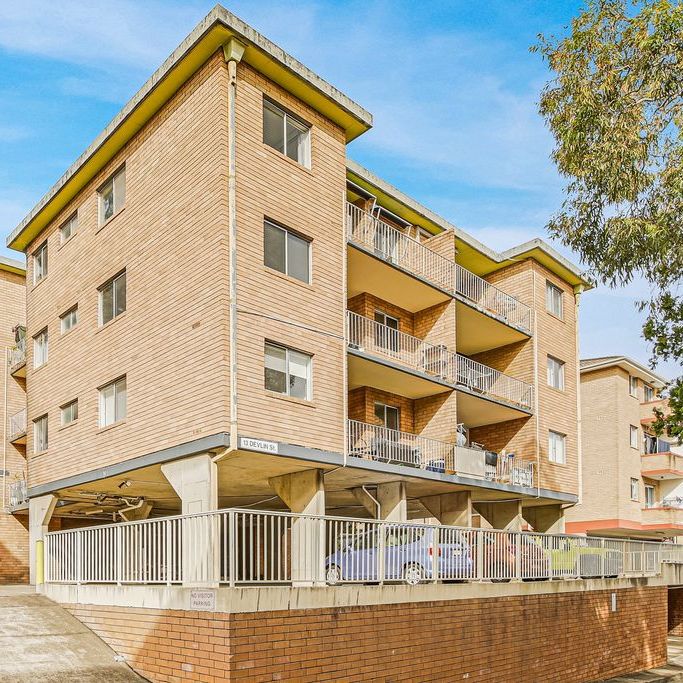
[[333, 575], [413, 574]]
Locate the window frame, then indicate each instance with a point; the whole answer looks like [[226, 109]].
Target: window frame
[[385, 408], [62, 412], [287, 232], [71, 312], [296, 121], [635, 485], [553, 288], [101, 406], [117, 207], [309, 368], [45, 442], [552, 452], [649, 499], [46, 348], [42, 252], [111, 281], [71, 220], [633, 436], [633, 386], [560, 365], [648, 389]]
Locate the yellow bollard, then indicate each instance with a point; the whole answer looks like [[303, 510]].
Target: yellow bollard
[[40, 563]]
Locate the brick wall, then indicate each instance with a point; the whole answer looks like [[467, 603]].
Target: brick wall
[[13, 549], [675, 611], [569, 637]]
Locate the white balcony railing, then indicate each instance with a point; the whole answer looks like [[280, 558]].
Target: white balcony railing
[[246, 547], [374, 442], [17, 355], [17, 425], [378, 443], [18, 493], [377, 339], [395, 247]]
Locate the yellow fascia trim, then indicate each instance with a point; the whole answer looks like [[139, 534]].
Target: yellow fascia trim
[[12, 269], [150, 104]]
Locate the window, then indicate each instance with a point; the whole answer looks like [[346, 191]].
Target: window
[[553, 300], [113, 401], [633, 436], [112, 196], [649, 496], [555, 373], [40, 349], [69, 412], [287, 134], [113, 298], [633, 386], [389, 416], [40, 434], [650, 443], [556, 447], [286, 252], [386, 333], [69, 319], [69, 228], [287, 371], [40, 263], [634, 489], [648, 393]]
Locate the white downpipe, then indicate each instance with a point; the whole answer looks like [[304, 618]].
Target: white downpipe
[[233, 52], [536, 389], [579, 442], [5, 419]]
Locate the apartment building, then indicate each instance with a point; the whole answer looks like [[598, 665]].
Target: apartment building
[[236, 314], [13, 528], [632, 479]]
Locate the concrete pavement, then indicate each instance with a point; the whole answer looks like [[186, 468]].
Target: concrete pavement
[[40, 642]]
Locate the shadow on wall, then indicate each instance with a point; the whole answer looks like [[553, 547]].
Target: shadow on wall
[[13, 549], [675, 611]]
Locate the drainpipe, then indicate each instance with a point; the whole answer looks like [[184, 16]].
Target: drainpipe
[[578, 290], [233, 51], [5, 418], [537, 417]]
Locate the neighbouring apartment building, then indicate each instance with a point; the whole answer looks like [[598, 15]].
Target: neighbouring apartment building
[[632, 479], [13, 528]]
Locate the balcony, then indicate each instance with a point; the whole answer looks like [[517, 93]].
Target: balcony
[[393, 447], [434, 365], [17, 360], [18, 493], [17, 427], [665, 515], [647, 414], [384, 242], [662, 465]]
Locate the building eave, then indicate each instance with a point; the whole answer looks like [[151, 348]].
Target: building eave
[[12, 266], [630, 365], [215, 30], [473, 254]]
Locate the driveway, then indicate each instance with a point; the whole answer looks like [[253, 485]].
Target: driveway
[[40, 642]]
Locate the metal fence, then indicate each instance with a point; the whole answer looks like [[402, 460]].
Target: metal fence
[[378, 339], [17, 354], [17, 424], [242, 547], [18, 493], [395, 247]]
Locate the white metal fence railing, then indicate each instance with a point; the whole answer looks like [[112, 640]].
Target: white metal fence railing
[[395, 247], [238, 547], [510, 469], [378, 339], [374, 442], [17, 424]]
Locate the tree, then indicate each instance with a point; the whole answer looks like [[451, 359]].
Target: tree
[[615, 109]]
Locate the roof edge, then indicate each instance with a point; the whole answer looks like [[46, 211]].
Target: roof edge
[[12, 265], [621, 361]]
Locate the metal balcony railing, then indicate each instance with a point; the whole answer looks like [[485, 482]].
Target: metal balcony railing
[[18, 493], [377, 339], [250, 547], [17, 425], [395, 247], [374, 442], [17, 355]]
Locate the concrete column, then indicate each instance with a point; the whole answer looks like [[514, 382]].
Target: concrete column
[[304, 493], [506, 515], [393, 504], [451, 509], [39, 514], [195, 480], [546, 519]]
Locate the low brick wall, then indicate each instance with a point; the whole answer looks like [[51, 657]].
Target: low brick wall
[[13, 549], [675, 611], [568, 637]]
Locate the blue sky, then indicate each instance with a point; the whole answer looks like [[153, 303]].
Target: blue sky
[[452, 86]]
